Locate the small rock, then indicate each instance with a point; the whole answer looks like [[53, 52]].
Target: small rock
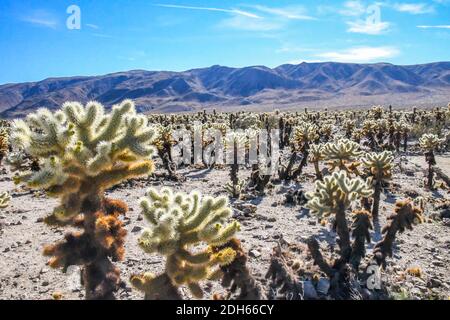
[[438, 263], [39, 220], [45, 283], [6, 250], [254, 253], [434, 283], [446, 222], [136, 229]]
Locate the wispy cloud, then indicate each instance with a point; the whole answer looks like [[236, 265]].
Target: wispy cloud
[[360, 54], [232, 11], [41, 18], [435, 27], [367, 19], [253, 17], [368, 27], [243, 23], [92, 26], [353, 9], [414, 8], [292, 13], [102, 35]]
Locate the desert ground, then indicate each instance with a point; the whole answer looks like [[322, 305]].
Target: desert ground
[[264, 220]]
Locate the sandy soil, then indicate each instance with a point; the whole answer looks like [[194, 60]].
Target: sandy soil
[[24, 274]]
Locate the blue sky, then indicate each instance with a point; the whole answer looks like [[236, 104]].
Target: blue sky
[[119, 35]]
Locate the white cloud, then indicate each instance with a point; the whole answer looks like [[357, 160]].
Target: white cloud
[[360, 54], [256, 18], [414, 8], [246, 24], [93, 26], [367, 27], [292, 13], [232, 11], [366, 19], [353, 8], [41, 18], [435, 27], [42, 22]]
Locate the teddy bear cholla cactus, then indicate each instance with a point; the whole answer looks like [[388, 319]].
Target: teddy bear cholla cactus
[[342, 155], [302, 136], [334, 196], [4, 145], [429, 143], [84, 152], [164, 142], [180, 222], [5, 198], [405, 216], [315, 156], [236, 144], [379, 166]]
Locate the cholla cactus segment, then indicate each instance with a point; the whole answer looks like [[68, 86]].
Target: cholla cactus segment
[[402, 126], [361, 227], [236, 138], [429, 142], [234, 190], [180, 221], [163, 135], [379, 164], [336, 192], [247, 120], [4, 142], [316, 152], [341, 154], [84, 150], [406, 215], [305, 133], [349, 125], [369, 126], [5, 198]]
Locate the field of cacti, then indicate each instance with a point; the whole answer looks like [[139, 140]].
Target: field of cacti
[[114, 204]]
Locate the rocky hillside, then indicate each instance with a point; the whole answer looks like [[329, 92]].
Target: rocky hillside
[[307, 84]]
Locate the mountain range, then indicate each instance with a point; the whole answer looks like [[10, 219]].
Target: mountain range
[[289, 86]]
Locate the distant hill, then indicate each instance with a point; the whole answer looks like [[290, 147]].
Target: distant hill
[[325, 84]]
